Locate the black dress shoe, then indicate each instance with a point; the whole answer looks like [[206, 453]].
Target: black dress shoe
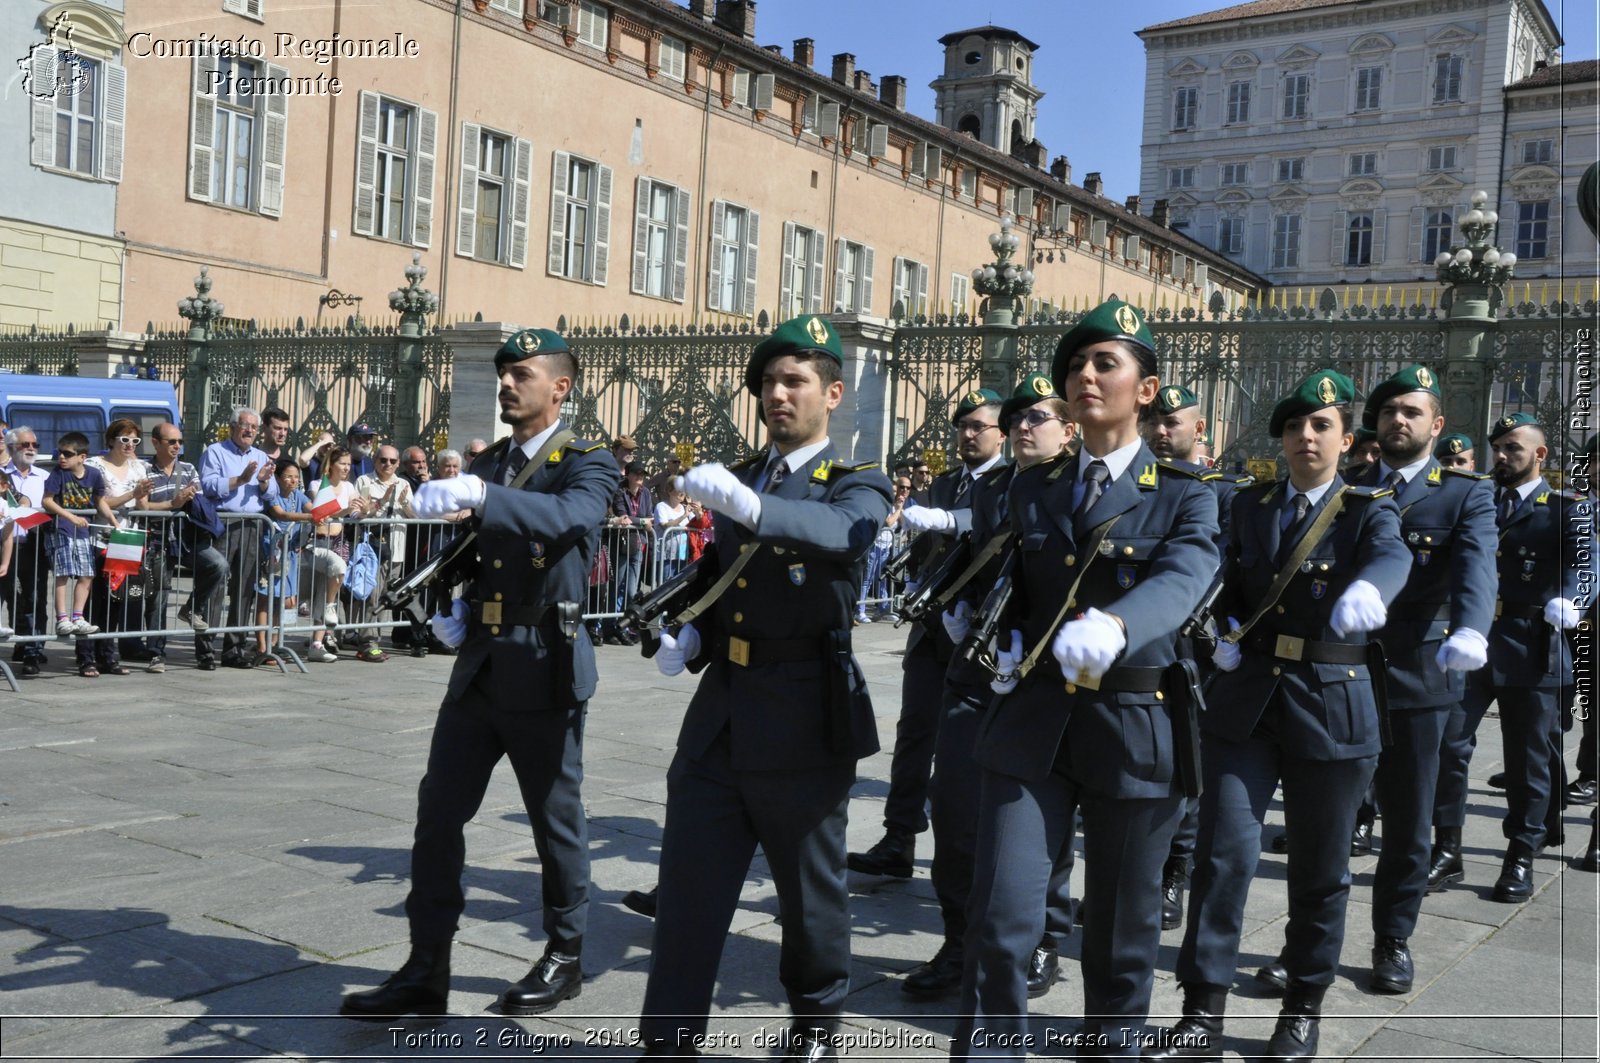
[[1497, 781], [940, 977], [1043, 967], [641, 901], [1198, 1035], [892, 855], [206, 664], [1294, 1039], [1174, 877], [1273, 975], [1582, 792], [1280, 842], [1361, 840], [810, 1045], [419, 987], [1444, 866], [1515, 883], [1590, 860], [1392, 970], [29, 667], [555, 978]]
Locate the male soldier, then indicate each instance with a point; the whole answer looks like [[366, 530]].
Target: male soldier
[[940, 522], [1455, 451], [520, 684], [1541, 570], [1364, 452], [770, 741], [1434, 635]]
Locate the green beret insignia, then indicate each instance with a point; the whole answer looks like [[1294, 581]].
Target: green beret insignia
[[1030, 391], [1040, 386], [527, 343], [1113, 319], [1511, 422], [1175, 397], [798, 335], [1324, 388]]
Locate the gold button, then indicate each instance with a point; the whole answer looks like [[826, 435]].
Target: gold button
[[744, 548], [1127, 550], [1071, 602], [1497, 553], [499, 597], [1160, 696], [778, 550], [479, 558], [738, 618], [1072, 559], [495, 630], [743, 583], [1352, 673], [1427, 538], [1071, 688], [1324, 567], [1281, 609], [497, 562], [1276, 670]]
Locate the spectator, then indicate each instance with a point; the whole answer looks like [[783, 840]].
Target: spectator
[[875, 585], [474, 448], [5, 448], [630, 509], [921, 483], [6, 545], [446, 463], [281, 553], [275, 426], [672, 519], [127, 485], [26, 585], [73, 485], [330, 551], [237, 477], [623, 449], [659, 482], [359, 443], [700, 531], [173, 483], [387, 497], [414, 467], [310, 456]]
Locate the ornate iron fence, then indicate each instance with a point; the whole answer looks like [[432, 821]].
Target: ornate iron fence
[[50, 352]]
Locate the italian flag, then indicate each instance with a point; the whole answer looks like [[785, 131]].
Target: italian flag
[[28, 517], [327, 504], [124, 555]]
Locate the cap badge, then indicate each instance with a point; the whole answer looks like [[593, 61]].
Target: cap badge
[[1127, 319], [1455, 446], [1325, 390], [1041, 386], [817, 330], [1424, 377], [1174, 396], [528, 341]]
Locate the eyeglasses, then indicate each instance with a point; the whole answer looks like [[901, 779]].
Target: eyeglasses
[[30, 445], [128, 441], [977, 428], [1034, 418], [388, 461], [170, 442], [248, 427], [65, 453]]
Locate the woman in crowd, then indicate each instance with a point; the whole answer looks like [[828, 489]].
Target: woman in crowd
[[672, 513], [127, 481], [330, 550]]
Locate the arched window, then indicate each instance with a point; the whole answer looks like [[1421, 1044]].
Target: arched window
[[970, 125]]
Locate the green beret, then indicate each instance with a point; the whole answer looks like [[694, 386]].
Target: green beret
[[526, 344], [1174, 397], [1111, 320], [798, 335], [1324, 388], [1364, 435], [973, 400], [1510, 423], [1454, 443], [1412, 378], [1030, 391]]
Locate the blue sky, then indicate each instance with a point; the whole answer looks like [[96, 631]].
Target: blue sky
[[1090, 65]]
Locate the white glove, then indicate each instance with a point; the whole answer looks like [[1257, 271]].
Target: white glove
[[451, 629], [1359, 609], [1088, 645], [439, 497], [1227, 656], [1005, 664], [957, 622], [923, 518], [1464, 651], [676, 651], [714, 487], [1561, 613]]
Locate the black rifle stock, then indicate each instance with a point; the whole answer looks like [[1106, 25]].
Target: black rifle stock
[[651, 611], [449, 565], [953, 562], [987, 620]]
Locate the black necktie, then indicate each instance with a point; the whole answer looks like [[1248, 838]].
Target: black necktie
[[1394, 482], [775, 474], [515, 460], [961, 488], [1508, 505], [1094, 485], [1295, 520]]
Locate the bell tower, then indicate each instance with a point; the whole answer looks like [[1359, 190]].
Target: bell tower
[[987, 87]]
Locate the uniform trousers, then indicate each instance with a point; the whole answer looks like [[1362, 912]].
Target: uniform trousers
[[545, 748], [716, 816], [1405, 783], [1530, 733], [1022, 826], [1319, 805], [921, 702]]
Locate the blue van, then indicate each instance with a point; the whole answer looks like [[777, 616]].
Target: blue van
[[54, 405]]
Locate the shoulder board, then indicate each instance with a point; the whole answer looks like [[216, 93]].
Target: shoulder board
[[1062, 463], [582, 446], [1240, 481], [1367, 493], [1184, 468], [1543, 498], [948, 473], [1464, 473], [499, 446], [759, 455], [832, 470]]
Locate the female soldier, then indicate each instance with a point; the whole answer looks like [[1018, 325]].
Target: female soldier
[[1294, 704], [1115, 550]]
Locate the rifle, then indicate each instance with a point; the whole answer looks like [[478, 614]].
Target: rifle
[[652, 611], [1196, 627], [987, 620], [951, 564], [449, 565]]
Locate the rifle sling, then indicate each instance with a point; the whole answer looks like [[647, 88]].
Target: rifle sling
[[1297, 557], [990, 551], [1092, 550], [551, 445], [717, 588]]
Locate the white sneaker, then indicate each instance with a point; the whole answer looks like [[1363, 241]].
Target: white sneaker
[[320, 654], [65, 627], [330, 615], [5, 633], [83, 627]]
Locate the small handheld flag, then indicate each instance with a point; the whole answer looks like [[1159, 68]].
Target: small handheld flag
[[124, 555]]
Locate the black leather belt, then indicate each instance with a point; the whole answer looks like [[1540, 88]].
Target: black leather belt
[[1520, 612], [497, 614], [1420, 611], [753, 653], [1127, 679], [1293, 648]]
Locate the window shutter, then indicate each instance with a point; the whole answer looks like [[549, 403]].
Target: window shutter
[[1417, 250], [1180, 267], [42, 87], [828, 121], [116, 119], [641, 234], [1341, 224], [897, 290], [877, 140], [1380, 230], [1097, 233], [1202, 276], [1024, 203], [467, 212], [202, 125], [921, 306], [752, 228], [521, 199], [919, 159], [719, 218], [366, 165], [866, 280], [680, 247], [1063, 217], [814, 297], [558, 212], [741, 87], [1130, 248], [935, 163], [274, 144], [808, 112], [602, 226], [838, 277], [786, 280], [761, 94], [422, 207]]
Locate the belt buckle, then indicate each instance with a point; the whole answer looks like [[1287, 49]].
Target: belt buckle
[[491, 612], [1087, 681], [1290, 648], [739, 652], [1498, 606]]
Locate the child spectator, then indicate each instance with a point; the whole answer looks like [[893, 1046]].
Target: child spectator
[[280, 554], [672, 513], [73, 485], [330, 552]]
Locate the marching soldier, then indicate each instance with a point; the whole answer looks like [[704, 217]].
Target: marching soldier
[[1310, 568], [1541, 566], [769, 744], [1455, 451], [520, 685], [1115, 549], [946, 516]]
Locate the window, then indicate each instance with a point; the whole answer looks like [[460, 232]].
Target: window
[[969, 184], [394, 171], [1358, 240], [800, 286], [594, 24], [672, 58], [1534, 151], [1442, 157], [1238, 102], [1369, 80], [1230, 236], [735, 236], [1185, 107], [1286, 242], [660, 240], [247, 8], [510, 7], [1297, 96], [79, 109], [1235, 173], [960, 292], [237, 135], [1447, 78], [1180, 177], [1437, 226], [1364, 164], [496, 178], [1292, 169], [580, 219], [911, 286], [1533, 229], [852, 277]]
